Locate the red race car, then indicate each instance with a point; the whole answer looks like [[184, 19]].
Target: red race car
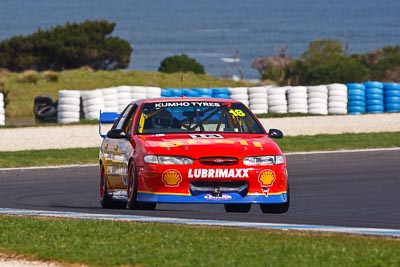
[[191, 150]]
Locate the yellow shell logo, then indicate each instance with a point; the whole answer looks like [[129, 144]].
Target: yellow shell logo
[[171, 178], [266, 178]]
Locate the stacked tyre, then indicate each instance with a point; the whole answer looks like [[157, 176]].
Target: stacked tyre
[[138, 92], [45, 109], [110, 99], [153, 92], [297, 99], [221, 93], [337, 98], [124, 96], [356, 96], [68, 106], [258, 99], [391, 92], [317, 99], [92, 103], [374, 97], [277, 101], [239, 94], [2, 110], [204, 92]]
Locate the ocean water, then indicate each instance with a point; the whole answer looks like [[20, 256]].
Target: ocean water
[[211, 31]]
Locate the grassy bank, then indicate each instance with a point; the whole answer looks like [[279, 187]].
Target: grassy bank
[[22, 90], [105, 243], [287, 144]]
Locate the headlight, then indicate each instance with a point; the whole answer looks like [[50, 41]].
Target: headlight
[[167, 160], [263, 160]]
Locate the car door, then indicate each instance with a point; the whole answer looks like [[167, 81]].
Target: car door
[[117, 149]]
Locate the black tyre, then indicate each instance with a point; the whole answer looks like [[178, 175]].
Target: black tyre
[[105, 200], [132, 191], [243, 208], [277, 208]]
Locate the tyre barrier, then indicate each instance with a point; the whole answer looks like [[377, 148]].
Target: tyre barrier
[[317, 99], [391, 93], [337, 99], [277, 101], [340, 99], [297, 99], [356, 98], [374, 97], [2, 110], [258, 99], [92, 103], [44, 109], [68, 106]]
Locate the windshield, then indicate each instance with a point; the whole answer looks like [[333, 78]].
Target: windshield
[[196, 116]]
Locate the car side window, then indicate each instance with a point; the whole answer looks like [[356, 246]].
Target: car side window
[[125, 120]]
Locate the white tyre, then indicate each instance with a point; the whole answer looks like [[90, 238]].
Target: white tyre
[[259, 111], [337, 105], [258, 95], [317, 95], [109, 91], [337, 98], [297, 89], [258, 106], [1, 97], [276, 91], [258, 101], [72, 108], [317, 106], [298, 106], [67, 120], [317, 89], [257, 90], [297, 110], [138, 96], [337, 111], [318, 100], [276, 97], [69, 94], [342, 93], [337, 87], [93, 101], [292, 101], [69, 101], [92, 115], [318, 111], [2, 110], [123, 89], [68, 114], [2, 117], [277, 102], [138, 89], [90, 94], [278, 109]]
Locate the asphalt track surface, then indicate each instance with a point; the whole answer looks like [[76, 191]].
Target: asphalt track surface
[[354, 189]]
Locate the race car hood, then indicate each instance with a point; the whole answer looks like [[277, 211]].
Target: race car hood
[[201, 145]]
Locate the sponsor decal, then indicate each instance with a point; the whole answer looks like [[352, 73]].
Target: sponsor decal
[[210, 139], [222, 197], [206, 136], [187, 104], [266, 179], [218, 173], [171, 178]]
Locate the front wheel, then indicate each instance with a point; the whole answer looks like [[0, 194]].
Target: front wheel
[[132, 191], [277, 208], [243, 208]]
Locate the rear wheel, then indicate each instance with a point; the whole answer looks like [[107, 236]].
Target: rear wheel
[[277, 208], [132, 191], [105, 200], [237, 207]]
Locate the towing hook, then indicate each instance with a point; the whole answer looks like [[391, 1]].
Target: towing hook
[[217, 192]]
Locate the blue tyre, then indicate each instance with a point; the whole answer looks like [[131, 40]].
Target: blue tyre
[[351, 86], [375, 109], [373, 84], [392, 93]]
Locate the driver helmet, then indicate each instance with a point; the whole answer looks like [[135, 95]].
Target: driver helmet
[[163, 119]]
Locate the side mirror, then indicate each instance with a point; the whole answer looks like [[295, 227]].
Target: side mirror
[[117, 134], [275, 133]]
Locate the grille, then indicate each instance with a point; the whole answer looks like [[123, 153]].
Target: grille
[[218, 161], [224, 187]]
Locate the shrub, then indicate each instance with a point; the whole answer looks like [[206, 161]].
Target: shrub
[[29, 76], [180, 63], [50, 76], [69, 47]]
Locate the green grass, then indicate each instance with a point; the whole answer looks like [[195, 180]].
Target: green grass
[[105, 243], [287, 144]]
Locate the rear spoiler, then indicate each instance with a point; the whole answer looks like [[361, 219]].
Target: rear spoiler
[[107, 118]]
